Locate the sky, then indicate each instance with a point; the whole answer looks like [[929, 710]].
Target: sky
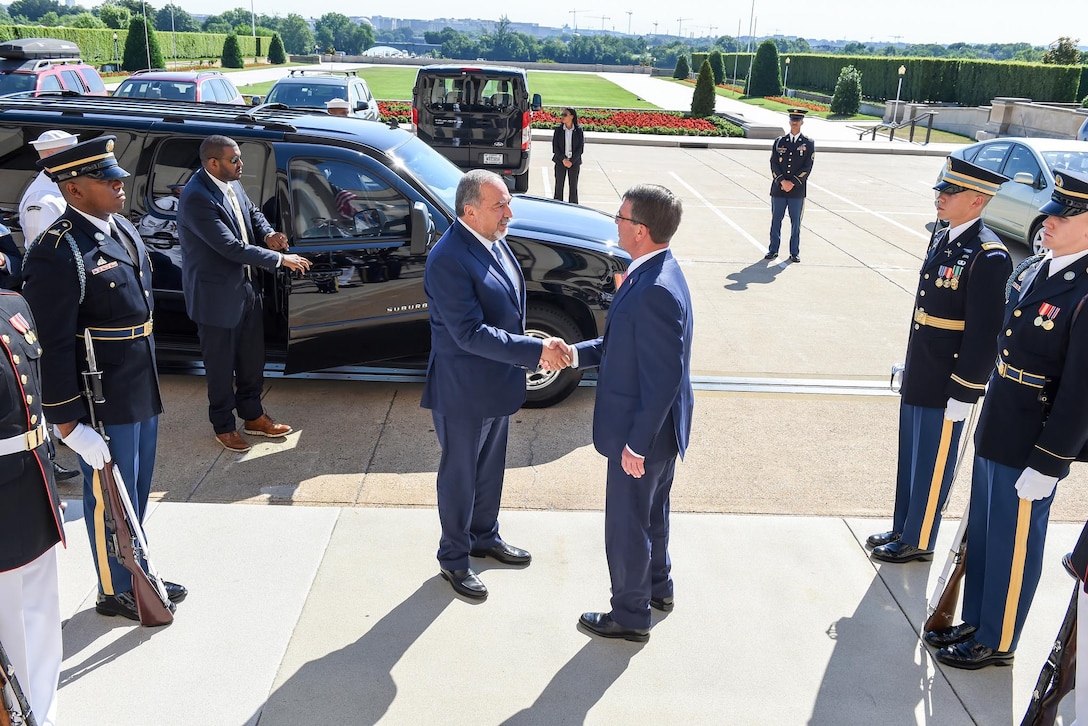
[[997, 21]]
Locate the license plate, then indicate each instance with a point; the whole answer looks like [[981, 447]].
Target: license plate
[[492, 158]]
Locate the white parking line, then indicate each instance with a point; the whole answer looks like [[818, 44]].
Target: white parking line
[[878, 215], [755, 243]]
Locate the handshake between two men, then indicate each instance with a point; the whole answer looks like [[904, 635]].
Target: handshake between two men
[[556, 355]]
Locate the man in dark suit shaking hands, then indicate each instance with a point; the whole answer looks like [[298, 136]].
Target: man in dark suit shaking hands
[[221, 234], [476, 374], [642, 415]]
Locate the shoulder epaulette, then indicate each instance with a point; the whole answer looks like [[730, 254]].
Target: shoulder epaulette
[[994, 246], [57, 231]]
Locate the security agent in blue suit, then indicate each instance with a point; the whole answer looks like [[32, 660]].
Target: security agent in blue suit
[[642, 415], [1033, 425], [476, 374], [791, 165], [958, 310], [90, 271], [221, 233]]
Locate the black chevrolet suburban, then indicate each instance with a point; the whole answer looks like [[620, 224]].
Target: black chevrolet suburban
[[364, 202], [478, 117]]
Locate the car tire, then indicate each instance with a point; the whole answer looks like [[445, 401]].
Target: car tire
[[521, 182], [1035, 239], [547, 388]]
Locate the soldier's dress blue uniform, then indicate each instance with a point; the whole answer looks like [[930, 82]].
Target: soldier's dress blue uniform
[[80, 275], [958, 308], [1035, 415], [790, 161]]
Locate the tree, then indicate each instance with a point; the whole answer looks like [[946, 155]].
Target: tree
[[297, 37], [717, 66], [682, 70], [83, 20], [139, 54], [114, 16], [702, 101], [173, 18], [334, 30], [232, 53], [276, 55], [765, 80], [33, 10], [1063, 52], [847, 98]]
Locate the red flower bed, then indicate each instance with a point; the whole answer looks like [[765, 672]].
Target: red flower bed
[[399, 110], [640, 122], [793, 102]]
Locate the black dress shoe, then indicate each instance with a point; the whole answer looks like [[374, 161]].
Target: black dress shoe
[[664, 604], [62, 473], [955, 634], [174, 591], [879, 540], [504, 553], [123, 604], [795, 258], [1067, 563], [972, 655], [770, 256], [900, 551], [465, 583], [603, 625]]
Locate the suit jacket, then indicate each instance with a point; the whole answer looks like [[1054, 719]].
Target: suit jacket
[[214, 257], [116, 293], [791, 160], [11, 274], [962, 280], [479, 351], [559, 145], [1045, 333], [30, 521], [645, 362]]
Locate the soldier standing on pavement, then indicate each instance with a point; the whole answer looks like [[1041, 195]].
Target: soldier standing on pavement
[[791, 164], [950, 354], [90, 271], [1033, 425]]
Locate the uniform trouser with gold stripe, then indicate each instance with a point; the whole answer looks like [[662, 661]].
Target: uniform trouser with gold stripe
[[928, 448], [133, 449], [1005, 536]]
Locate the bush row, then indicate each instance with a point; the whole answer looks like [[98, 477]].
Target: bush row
[[96, 45]]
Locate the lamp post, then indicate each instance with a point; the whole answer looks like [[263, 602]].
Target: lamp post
[[786, 80], [116, 57], [898, 90]]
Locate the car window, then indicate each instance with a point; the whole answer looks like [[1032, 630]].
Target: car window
[[1067, 160], [1021, 159], [50, 82], [430, 169], [92, 80], [73, 81], [338, 199], [16, 82], [223, 91], [991, 156]]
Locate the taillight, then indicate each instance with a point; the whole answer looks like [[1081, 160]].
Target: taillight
[[415, 120], [526, 130]]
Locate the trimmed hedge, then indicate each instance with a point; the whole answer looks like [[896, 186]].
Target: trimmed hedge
[[96, 45]]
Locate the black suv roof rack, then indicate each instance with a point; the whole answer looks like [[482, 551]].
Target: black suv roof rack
[[273, 117], [320, 72]]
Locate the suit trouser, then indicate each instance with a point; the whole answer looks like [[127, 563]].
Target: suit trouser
[[796, 207], [30, 631], [1081, 694], [928, 449], [133, 448], [571, 176], [470, 476], [636, 537], [234, 366], [1005, 536]]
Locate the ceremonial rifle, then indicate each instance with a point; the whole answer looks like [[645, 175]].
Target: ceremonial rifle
[[1058, 675], [14, 709], [127, 541]]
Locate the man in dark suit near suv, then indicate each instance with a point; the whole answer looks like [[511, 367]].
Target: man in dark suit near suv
[[222, 234]]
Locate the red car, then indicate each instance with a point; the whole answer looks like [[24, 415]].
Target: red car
[[46, 64], [206, 86]]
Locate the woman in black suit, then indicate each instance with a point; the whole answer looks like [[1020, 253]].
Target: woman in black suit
[[567, 144]]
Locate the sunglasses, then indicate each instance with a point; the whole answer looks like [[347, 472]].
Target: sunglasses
[[618, 217]]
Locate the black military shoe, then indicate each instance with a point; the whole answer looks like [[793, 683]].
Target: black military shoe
[[603, 625], [123, 604], [972, 655], [465, 583], [955, 634], [879, 540], [63, 473], [770, 255], [175, 592], [505, 553], [664, 604], [900, 551]]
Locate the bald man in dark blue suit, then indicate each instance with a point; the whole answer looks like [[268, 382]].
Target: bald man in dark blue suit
[[476, 374], [642, 416]]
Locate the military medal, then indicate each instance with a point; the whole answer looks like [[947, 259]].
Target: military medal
[[1045, 318], [20, 324]]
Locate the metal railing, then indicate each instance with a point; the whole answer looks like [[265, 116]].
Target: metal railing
[[912, 122]]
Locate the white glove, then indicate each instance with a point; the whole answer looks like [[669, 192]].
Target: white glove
[[90, 446], [1035, 486], [956, 410]]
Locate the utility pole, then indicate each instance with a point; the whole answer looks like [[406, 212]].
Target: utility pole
[[751, 27], [679, 25], [655, 27], [629, 22]]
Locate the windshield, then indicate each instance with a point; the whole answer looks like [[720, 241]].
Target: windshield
[[306, 95], [16, 82], [1067, 160], [149, 88], [430, 169]]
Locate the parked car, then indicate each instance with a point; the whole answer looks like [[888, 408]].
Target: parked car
[[363, 202], [46, 64], [203, 86], [1013, 213], [304, 88], [478, 117]]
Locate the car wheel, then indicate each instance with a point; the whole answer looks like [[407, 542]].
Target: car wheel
[[1036, 238], [521, 182], [547, 388]]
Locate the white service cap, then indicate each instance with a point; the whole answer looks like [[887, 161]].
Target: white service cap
[[55, 140], [337, 103]]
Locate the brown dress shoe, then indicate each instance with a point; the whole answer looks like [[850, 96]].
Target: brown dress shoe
[[232, 441], [265, 426]]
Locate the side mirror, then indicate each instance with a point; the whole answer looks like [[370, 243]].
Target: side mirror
[[422, 229], [537, 103], [255, 101], [1024, 177], [362, 106]]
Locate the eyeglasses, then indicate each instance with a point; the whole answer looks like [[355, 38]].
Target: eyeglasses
[[618, 217], [232, 160]]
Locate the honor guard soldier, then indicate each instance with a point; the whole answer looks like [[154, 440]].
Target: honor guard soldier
[[1033, 425], [30, 518], [42, 201], [90, 271], [958, 310], [791, 164]]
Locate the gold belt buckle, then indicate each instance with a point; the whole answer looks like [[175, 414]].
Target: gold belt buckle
[[34, 438]]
